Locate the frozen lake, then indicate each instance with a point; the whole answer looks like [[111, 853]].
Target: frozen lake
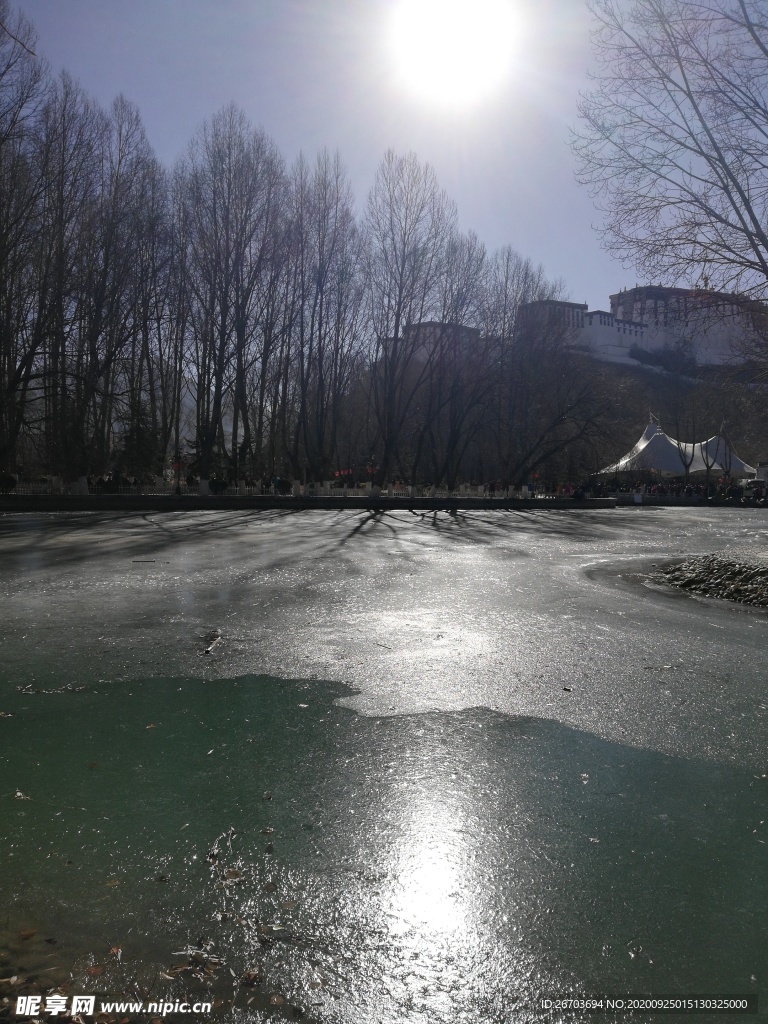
[[469, 760]]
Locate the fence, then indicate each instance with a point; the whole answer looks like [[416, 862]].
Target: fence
[[56, 487]]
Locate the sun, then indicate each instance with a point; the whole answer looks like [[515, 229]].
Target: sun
[[453, 53]]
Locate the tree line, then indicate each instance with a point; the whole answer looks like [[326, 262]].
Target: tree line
[[237, 316]]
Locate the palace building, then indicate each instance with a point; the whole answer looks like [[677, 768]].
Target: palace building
[[710, 328]]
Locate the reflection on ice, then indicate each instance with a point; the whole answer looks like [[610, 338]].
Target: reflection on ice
[[414, 868], [430, 880], [429, 889]]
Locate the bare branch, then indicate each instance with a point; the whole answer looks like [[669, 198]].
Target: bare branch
[[16, 39], [673, 137]]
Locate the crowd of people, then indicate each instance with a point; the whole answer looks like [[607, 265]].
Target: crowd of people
[[723, 491]]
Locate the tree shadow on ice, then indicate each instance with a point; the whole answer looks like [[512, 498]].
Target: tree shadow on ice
[[486, 528], [72, 538]]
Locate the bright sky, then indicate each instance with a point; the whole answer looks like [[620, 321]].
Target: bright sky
[[347, 74]]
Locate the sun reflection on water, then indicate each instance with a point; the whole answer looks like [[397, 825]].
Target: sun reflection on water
[[429, 893], [431, 885]]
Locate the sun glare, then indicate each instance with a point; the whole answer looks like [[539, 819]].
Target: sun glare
[[453, 53]]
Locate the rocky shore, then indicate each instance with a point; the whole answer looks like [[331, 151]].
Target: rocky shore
[[738, 576]]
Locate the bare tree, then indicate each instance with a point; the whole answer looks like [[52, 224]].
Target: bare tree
[[686, 416], [112, 351], [152, 364], [326, 328], [70, 143], [551, 396], [22, 90], [544, 397], [673, 138], [234, 190], [408, 222], [450, 412], [510, 282]]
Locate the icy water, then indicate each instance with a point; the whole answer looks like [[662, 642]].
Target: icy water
[[451, 864]]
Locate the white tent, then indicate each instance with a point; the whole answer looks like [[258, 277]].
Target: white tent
[[656, 451], [717, 448]]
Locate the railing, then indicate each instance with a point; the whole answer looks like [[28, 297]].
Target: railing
[[26, 487]]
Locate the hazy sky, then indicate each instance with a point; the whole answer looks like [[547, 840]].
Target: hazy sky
[[317, 73]]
